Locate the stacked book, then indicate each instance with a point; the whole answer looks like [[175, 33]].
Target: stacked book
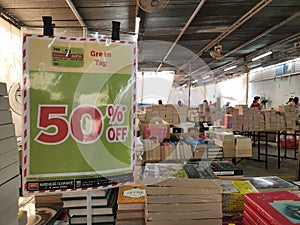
[[276, 208], [214, 151], [233, 192], [243, 146], [131, 205], [271, 183], [226, 170], [172, 198], [99, 204], [9, 163], [226, 140]]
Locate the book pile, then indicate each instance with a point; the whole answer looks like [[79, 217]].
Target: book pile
[[233, 192], [226, 170], [214, 151], [271, 183], [151, 149], [102, 206], [131, 205], [277, 208], [199, 151], [174, 199], [9, 163], [138, 159], [226, 141], [243, 146]]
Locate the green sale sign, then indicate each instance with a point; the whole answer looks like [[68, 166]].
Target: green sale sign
[[79, 108]]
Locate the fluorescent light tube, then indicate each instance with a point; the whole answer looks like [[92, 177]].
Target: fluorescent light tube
[[205, 77], [230, 68], [262, 55]]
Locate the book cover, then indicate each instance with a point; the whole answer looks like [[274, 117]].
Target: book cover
[[252, 214], [262, 203], [271, 183], [244, 186], [164, 170], [289, 209], [223, 168], [131, 197]]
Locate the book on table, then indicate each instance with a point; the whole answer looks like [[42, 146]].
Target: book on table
[[101, 219], [107, 197], [131, 197], [276, 208], [271, 183]]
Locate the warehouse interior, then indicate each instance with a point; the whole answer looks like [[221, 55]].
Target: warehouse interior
[[205, 59]]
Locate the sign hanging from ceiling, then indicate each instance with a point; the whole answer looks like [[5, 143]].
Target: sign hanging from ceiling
[[79, 108]]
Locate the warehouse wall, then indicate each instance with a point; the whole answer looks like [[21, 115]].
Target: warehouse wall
[[10, 64], [276, 83]]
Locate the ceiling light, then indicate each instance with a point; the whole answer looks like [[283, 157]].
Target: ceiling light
[[194, 81], [205, 77], [262, 55], [230, 68]]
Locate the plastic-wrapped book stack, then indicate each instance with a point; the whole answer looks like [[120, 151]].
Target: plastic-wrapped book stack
[[9, 163]]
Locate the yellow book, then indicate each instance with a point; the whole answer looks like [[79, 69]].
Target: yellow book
[[244, 186]]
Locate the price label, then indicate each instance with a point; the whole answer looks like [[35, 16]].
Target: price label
[[85, 124]]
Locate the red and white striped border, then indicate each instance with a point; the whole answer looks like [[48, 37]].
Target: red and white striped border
[[26, 105]]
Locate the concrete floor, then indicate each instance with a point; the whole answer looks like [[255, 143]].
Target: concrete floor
[[287, 169]]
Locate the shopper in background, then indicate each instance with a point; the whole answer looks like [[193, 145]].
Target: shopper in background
[[295, 102], [290, 101], [255, 103]]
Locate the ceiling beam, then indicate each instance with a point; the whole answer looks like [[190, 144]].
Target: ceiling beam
[[258, 7], [77, 15], [254, 39], [194, 14]]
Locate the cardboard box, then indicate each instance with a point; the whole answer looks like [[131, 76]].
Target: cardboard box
[[155, 128]]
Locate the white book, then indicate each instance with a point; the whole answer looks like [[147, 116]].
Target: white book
[[5, 117], [4, 103], [79, 194], [8, 144], [7, 130], [95, 219], [94, 211], [83, 202], [3, 89], [9, 157], [9, 172]]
